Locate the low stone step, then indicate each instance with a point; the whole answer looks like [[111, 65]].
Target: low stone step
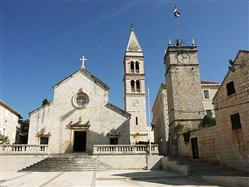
[[68, 163]]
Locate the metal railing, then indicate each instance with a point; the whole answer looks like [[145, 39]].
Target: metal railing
[[124, 149], [23, 149]]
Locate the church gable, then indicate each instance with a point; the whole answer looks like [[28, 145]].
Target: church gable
[[88, 75]]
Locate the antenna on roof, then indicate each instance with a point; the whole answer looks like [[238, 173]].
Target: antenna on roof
[[193, 42], [170, 43], [132, 27]]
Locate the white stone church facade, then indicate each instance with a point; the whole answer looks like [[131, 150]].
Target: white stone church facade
[[80, 116]]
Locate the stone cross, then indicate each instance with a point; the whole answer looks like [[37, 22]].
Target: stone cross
[[83, 59]]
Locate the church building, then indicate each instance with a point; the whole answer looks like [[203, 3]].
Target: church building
[[80, 115]]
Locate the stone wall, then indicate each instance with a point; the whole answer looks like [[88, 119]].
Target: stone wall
[[131, 161], [207, 144], [234, 143], [222, 143], [8, 123], [18, 162], [161, 120]]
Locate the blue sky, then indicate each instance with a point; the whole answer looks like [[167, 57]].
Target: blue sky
[[41, 41]]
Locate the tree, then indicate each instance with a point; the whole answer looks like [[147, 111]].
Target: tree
[[4, 139]]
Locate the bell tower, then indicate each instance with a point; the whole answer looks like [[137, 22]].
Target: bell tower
[[184, 93], [134, 89]]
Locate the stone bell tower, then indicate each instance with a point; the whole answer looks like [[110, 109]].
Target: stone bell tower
[[134, 89], [183, 90]]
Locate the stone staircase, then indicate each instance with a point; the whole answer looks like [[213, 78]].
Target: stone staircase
[[58, 163]]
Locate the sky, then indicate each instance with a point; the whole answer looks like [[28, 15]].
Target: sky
[[41, 42]]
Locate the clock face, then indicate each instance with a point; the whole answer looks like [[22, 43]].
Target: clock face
[[183, 58], [135, 103]]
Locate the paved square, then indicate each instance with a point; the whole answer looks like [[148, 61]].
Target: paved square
[[114, 178]]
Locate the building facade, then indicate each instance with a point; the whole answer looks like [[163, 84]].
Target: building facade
[[78, 117], [232, 114], [9, 121], [209, 90], [226, 143], [183, 90], [160, 120], [134, 89], [161, 117]]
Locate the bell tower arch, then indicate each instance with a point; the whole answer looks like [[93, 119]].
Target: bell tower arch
[[134, 89]]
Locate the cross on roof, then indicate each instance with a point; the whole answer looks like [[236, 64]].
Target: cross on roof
[[83, 59]]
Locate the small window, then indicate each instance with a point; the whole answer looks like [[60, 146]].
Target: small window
[[230, 88], [136, 120], [138, 85], [114, 141], [132, 67], [209, 113], [132, 86], [137, 67], [206, 94], [44, 140], [235, 120]]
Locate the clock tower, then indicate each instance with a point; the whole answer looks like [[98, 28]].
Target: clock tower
[[134, 89], [183, 90]]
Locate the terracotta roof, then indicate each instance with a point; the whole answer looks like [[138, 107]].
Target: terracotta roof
[[209, 82], [2, 103]]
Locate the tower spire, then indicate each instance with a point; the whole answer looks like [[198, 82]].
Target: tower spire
[[133, 44]]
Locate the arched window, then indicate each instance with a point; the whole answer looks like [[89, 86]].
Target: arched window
[[138, 85], [132, 85], [132, 67], [137, 67]]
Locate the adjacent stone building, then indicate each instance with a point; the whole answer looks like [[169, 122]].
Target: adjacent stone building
[[232, 114], [9, 121], [160, 120], [161, 117], [226, 143], [209, 90]]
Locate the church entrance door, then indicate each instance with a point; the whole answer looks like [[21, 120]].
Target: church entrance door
[[79, 144]]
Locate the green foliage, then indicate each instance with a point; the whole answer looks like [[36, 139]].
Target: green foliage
[[4, 139], [179, 128], [186, 136], [208, 121]]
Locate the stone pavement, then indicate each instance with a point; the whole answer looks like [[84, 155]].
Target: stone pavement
[[114, 178]]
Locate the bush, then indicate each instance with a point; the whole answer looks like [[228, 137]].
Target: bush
[[208, 121], [186, 136], [4, 139], [179, 128]]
